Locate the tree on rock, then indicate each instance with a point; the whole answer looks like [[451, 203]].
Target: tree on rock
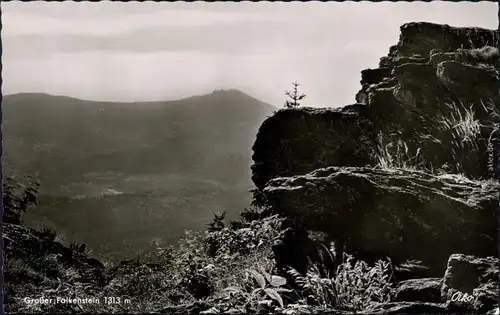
[[294, 96]]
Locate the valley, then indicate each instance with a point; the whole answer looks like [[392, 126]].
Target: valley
[[120, 177]]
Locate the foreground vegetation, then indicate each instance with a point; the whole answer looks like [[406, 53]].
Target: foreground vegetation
[[229, 268]]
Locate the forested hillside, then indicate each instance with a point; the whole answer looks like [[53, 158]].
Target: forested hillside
[[132, 172]]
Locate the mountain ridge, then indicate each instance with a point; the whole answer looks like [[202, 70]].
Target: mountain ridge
[[68, 97], [195, 151]]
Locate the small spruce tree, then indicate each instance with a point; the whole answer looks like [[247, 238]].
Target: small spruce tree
[[217, 223], [294, 96]]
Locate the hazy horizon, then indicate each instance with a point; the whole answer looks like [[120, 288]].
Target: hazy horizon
[[131, 101], [131, 52]]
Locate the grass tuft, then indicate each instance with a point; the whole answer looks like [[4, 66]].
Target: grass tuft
[[457, 141]]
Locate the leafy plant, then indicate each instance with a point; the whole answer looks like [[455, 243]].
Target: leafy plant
[[269, 286], [354, 286]]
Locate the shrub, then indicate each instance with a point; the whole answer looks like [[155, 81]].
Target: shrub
[[354, 286], [201, 268], [18, 195]]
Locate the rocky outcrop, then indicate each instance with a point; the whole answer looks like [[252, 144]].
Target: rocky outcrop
[[298, 141], [395, 213], [418, 38], [431, 105], [469, 285], [434, 74], [405, 173]]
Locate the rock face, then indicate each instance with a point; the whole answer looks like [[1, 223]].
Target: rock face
[[298, 141], [406, 172], [434, 74], [471, 282], [419, 290], [396, 213]]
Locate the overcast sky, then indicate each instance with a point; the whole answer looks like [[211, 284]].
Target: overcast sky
[[165, 51]]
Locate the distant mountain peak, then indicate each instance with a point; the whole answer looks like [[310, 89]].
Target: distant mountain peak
[[233, 96], [225, 93], [228, 91], [230, 95]]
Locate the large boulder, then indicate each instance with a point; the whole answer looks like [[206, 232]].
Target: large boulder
[[298, 141], [471, 283], [419, 290], [396, 213]]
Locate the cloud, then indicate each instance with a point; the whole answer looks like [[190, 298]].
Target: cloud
[[229, 38], [111, 9], [154, 51], [21, 22]]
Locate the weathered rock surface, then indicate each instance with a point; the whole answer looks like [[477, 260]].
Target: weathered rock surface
[[411, 269], [299, 141], [418, 38], [433, 103], [471, 283], [419, 290], [433, 67], [406, 308], [405, 99], [395, 213]]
